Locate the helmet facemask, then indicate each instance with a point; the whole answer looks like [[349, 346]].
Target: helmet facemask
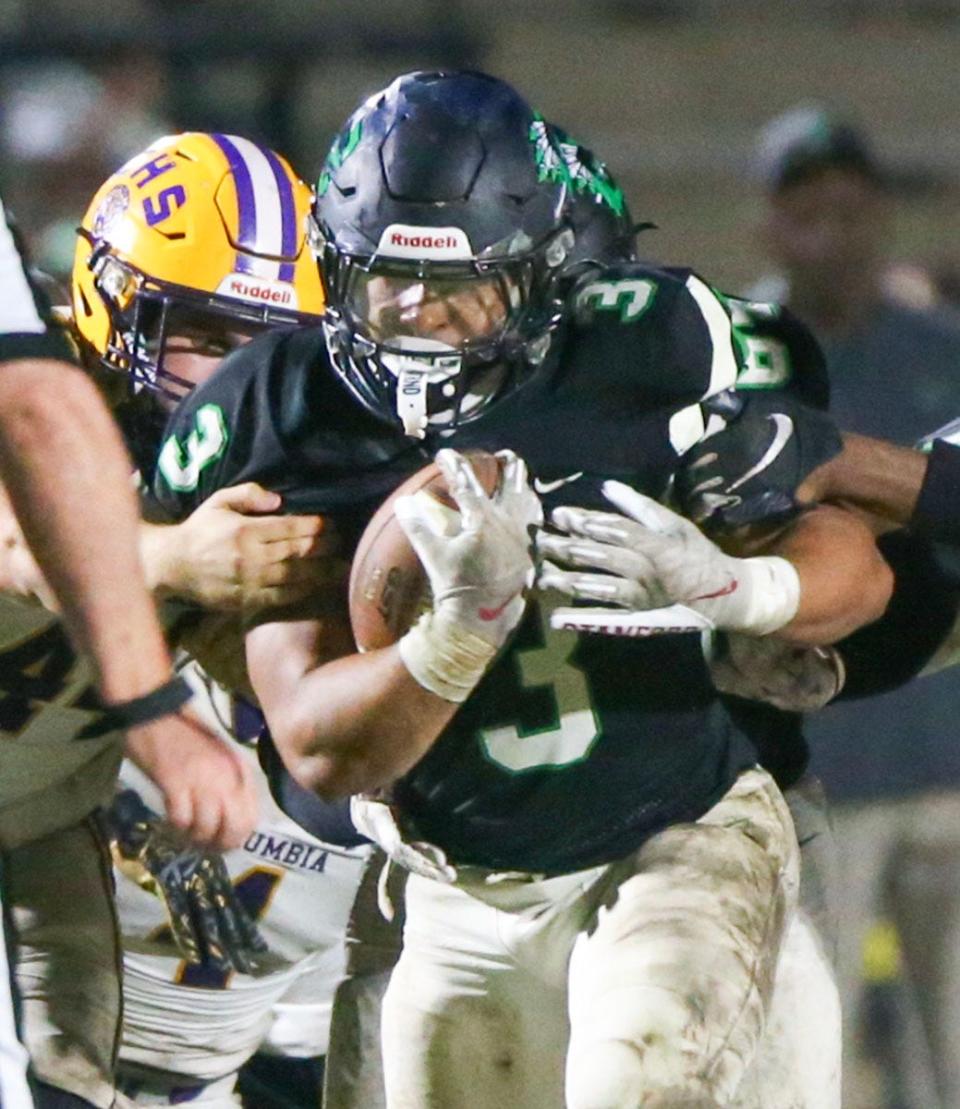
[[150, 321], [434, 342]]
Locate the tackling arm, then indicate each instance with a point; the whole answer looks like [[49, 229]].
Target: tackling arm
[[234, 551], [902, 485], [83, 533]]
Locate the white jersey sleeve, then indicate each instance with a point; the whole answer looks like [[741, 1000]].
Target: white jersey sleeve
[[197, 1023], [26, 330]]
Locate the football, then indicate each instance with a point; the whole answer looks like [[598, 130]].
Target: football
[[388, 586]]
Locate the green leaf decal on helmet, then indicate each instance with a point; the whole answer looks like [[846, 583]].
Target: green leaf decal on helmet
[[560, 158], [343, 146]]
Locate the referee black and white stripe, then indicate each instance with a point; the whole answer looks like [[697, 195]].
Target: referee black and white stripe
[[25, 323]]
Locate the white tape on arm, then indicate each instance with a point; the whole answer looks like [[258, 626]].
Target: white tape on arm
[[767, 599], [445, 658]]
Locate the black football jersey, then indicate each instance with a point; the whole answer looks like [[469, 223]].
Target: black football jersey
[[572, 749]]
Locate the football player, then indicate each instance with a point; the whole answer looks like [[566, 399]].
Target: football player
[[161, 304], [910, 499], [162, 300], [184, 253], [602, 881], [62, 742]]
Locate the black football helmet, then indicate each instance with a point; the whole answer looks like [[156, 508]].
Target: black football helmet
[[444, 224], [603, 229]]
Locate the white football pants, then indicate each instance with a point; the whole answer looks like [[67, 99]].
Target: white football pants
[[647, 981]]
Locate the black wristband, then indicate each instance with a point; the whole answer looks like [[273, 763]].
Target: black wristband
[[937, 512], [162, 701]]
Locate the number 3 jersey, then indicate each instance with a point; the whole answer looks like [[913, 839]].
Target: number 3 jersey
[[196, 1022], [572, 749]]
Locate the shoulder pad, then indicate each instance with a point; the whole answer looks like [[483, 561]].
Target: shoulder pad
[[665, 325]]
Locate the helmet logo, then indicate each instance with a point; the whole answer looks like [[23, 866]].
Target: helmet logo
[[157, 209], [401, 240], [343, 147], [258, 290], [558, 159], [112, 207]]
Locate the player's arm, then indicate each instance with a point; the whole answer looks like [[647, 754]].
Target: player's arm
[[881, 477], [903, 485], [843, 581], [342, 722], [345, 722], [821, 577], [67, 475], [68, 479], [235, 551]]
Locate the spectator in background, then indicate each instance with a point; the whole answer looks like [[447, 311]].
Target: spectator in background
[[66, 127], [891, 764]]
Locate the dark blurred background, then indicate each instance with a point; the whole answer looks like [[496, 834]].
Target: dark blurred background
[[673, 94]]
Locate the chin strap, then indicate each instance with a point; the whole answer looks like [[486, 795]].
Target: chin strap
[[412, 387], [427, 363]]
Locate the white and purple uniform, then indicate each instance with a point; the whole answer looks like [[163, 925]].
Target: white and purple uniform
[[187, 1028]]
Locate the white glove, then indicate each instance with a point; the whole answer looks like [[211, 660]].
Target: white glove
[[651, 558], [797, 679], [479, 562]]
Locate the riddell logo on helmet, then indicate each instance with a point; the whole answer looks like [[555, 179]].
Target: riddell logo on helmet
[[259, 290], [428, 242], [400, 240]]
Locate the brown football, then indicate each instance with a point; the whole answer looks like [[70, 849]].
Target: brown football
[[388, 586]]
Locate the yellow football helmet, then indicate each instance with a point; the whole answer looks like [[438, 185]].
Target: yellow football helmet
[[202, 234]]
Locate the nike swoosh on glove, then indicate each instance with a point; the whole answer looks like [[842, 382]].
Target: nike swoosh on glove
[[748, 472], [646, 557]]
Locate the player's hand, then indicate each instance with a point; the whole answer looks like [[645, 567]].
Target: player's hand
[[648, 558], [750, 471], [479, 560], [208, 922], [208, 790], [234, 552], [19, 572], [791, 677]]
